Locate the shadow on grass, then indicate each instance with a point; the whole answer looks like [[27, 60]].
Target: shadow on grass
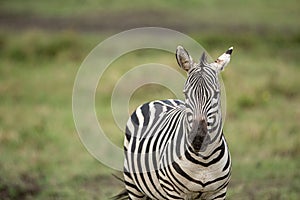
[[27, 186]]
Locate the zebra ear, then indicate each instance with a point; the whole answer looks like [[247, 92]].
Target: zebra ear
[[223, 60], [183, 58]]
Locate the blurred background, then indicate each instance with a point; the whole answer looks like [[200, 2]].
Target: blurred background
[[42, 44]]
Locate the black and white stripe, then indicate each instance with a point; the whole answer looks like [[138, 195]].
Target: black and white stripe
[[175, 149]]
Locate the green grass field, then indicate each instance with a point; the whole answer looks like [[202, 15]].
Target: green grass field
[[41, 156]]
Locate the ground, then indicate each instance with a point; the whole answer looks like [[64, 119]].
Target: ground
[[43, 44]]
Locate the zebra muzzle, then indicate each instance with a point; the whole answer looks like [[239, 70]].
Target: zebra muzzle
[[198, 137]]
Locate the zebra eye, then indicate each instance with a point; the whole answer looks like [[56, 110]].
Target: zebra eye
[[216, 94], [189, 117]]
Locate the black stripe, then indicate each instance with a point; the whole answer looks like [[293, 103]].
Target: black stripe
[[178, 102], [133, 145], [127, 134], [141, 142], [167, 102], [179, 140], [227, 163], [213, 161], [134, 119], [223, 195], [146, 114], [223, 185], [190, 150]]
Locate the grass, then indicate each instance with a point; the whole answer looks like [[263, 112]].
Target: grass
[[42, 156], [38, 139]]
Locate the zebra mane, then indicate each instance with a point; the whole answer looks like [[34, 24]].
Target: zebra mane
[[203, 60]]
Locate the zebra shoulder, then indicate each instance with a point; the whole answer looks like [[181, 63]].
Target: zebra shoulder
[[154, 108]]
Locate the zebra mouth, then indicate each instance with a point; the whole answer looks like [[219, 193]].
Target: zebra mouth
[[200, 143]]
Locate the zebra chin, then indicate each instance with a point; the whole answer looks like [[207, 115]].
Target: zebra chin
[[200, 144]]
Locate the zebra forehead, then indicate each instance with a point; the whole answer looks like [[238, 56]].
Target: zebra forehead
[[202, 75], [203, 69], [201, 79]]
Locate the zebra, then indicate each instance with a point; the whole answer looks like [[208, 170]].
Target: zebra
[[176, 149]]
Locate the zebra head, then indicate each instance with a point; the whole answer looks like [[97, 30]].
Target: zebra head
[[202, 97]]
